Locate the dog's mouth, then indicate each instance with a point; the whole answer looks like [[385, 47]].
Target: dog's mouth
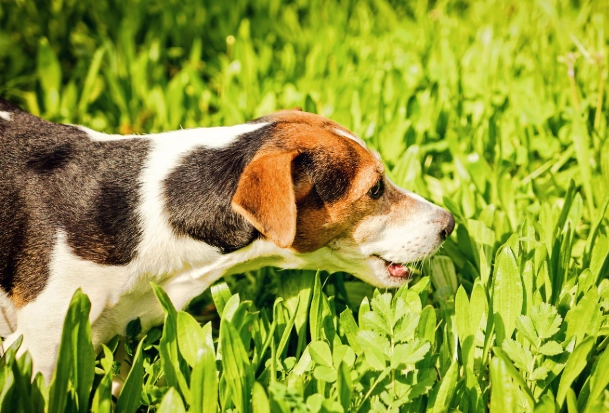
[[396, 269]]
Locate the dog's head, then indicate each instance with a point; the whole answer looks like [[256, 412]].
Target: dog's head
[[314, 185]]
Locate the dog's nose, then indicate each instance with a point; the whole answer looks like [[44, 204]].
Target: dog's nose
[[448, 225]]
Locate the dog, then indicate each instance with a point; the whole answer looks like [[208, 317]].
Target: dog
[[110, 213]]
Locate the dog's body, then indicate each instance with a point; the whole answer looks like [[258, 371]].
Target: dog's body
[[111, 213]]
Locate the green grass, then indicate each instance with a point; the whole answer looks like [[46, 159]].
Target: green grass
[[496, 110]]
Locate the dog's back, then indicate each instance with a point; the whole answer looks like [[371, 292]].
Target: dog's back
[[53, 176]]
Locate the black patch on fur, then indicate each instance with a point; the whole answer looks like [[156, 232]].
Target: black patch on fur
[[54, 177], [47, 161], [101, 191], [200, 190]]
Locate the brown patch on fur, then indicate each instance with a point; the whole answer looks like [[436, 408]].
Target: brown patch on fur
[[326, 181], [317, 227]]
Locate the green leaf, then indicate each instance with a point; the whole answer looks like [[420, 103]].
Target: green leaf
[[350, 329], [503, 391], [163, 298], [374, 346], [364, 308], [546, 320], [409, 353], [190, 337], [427, 324], [320, 353], [507, 293], [102, 400], [546, 405], [442, 397], [7, 388], [316, 313], [49, 75], [581, 143], [522, 357], [325, 374], [296, 292], [171, 403], [236, 366], [303, 365], [75, 362], [286, 331], [344, 386], [575, 365], [551, 348], [511, 370], [171, 359], [129, 398], [525, 326], [571, 401], [260, 401], [463, 315], [376, 322], [474, 392], [443, 276], [594, 230], [86, 95], [204, 382], [585, 318], [599, 378], [539, 373], [220, 294], [343, 353], [406, 327], [375, 358]]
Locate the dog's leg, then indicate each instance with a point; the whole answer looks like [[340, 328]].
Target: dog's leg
[[8, 318], [41, 326]]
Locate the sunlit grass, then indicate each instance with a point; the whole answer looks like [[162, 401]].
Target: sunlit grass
[[495, 110]]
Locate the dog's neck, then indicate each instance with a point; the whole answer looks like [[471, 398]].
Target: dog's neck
[[186, 184]]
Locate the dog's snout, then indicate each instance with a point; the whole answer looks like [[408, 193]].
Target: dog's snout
[[448, 225]]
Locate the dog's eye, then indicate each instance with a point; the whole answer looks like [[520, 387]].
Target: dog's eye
[[377, 190]]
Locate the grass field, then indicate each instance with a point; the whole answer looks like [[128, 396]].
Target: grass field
[[496, 110]]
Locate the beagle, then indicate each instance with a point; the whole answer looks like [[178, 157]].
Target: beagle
[[110, 213]]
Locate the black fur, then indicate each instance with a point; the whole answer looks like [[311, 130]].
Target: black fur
[[55, 176], [200, 190]]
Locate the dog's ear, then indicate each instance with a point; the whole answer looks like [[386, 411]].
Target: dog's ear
[[265, 197]]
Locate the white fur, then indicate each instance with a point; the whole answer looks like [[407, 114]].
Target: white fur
[[5, 115], [8, 315], [350, 136], [400, 236], [406, 240]]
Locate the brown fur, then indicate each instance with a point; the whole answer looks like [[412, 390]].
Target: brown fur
[[287, 205], [265, 197]]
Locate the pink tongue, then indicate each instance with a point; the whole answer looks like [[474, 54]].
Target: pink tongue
[[398, 270]]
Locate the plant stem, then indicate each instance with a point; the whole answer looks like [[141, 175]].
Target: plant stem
[[601, 89]]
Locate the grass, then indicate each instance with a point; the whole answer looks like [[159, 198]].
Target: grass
[[496, 110]]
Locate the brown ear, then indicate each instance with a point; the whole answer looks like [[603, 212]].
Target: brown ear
[[265, 197]]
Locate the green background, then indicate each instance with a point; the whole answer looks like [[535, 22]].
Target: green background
[[496, 110]]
